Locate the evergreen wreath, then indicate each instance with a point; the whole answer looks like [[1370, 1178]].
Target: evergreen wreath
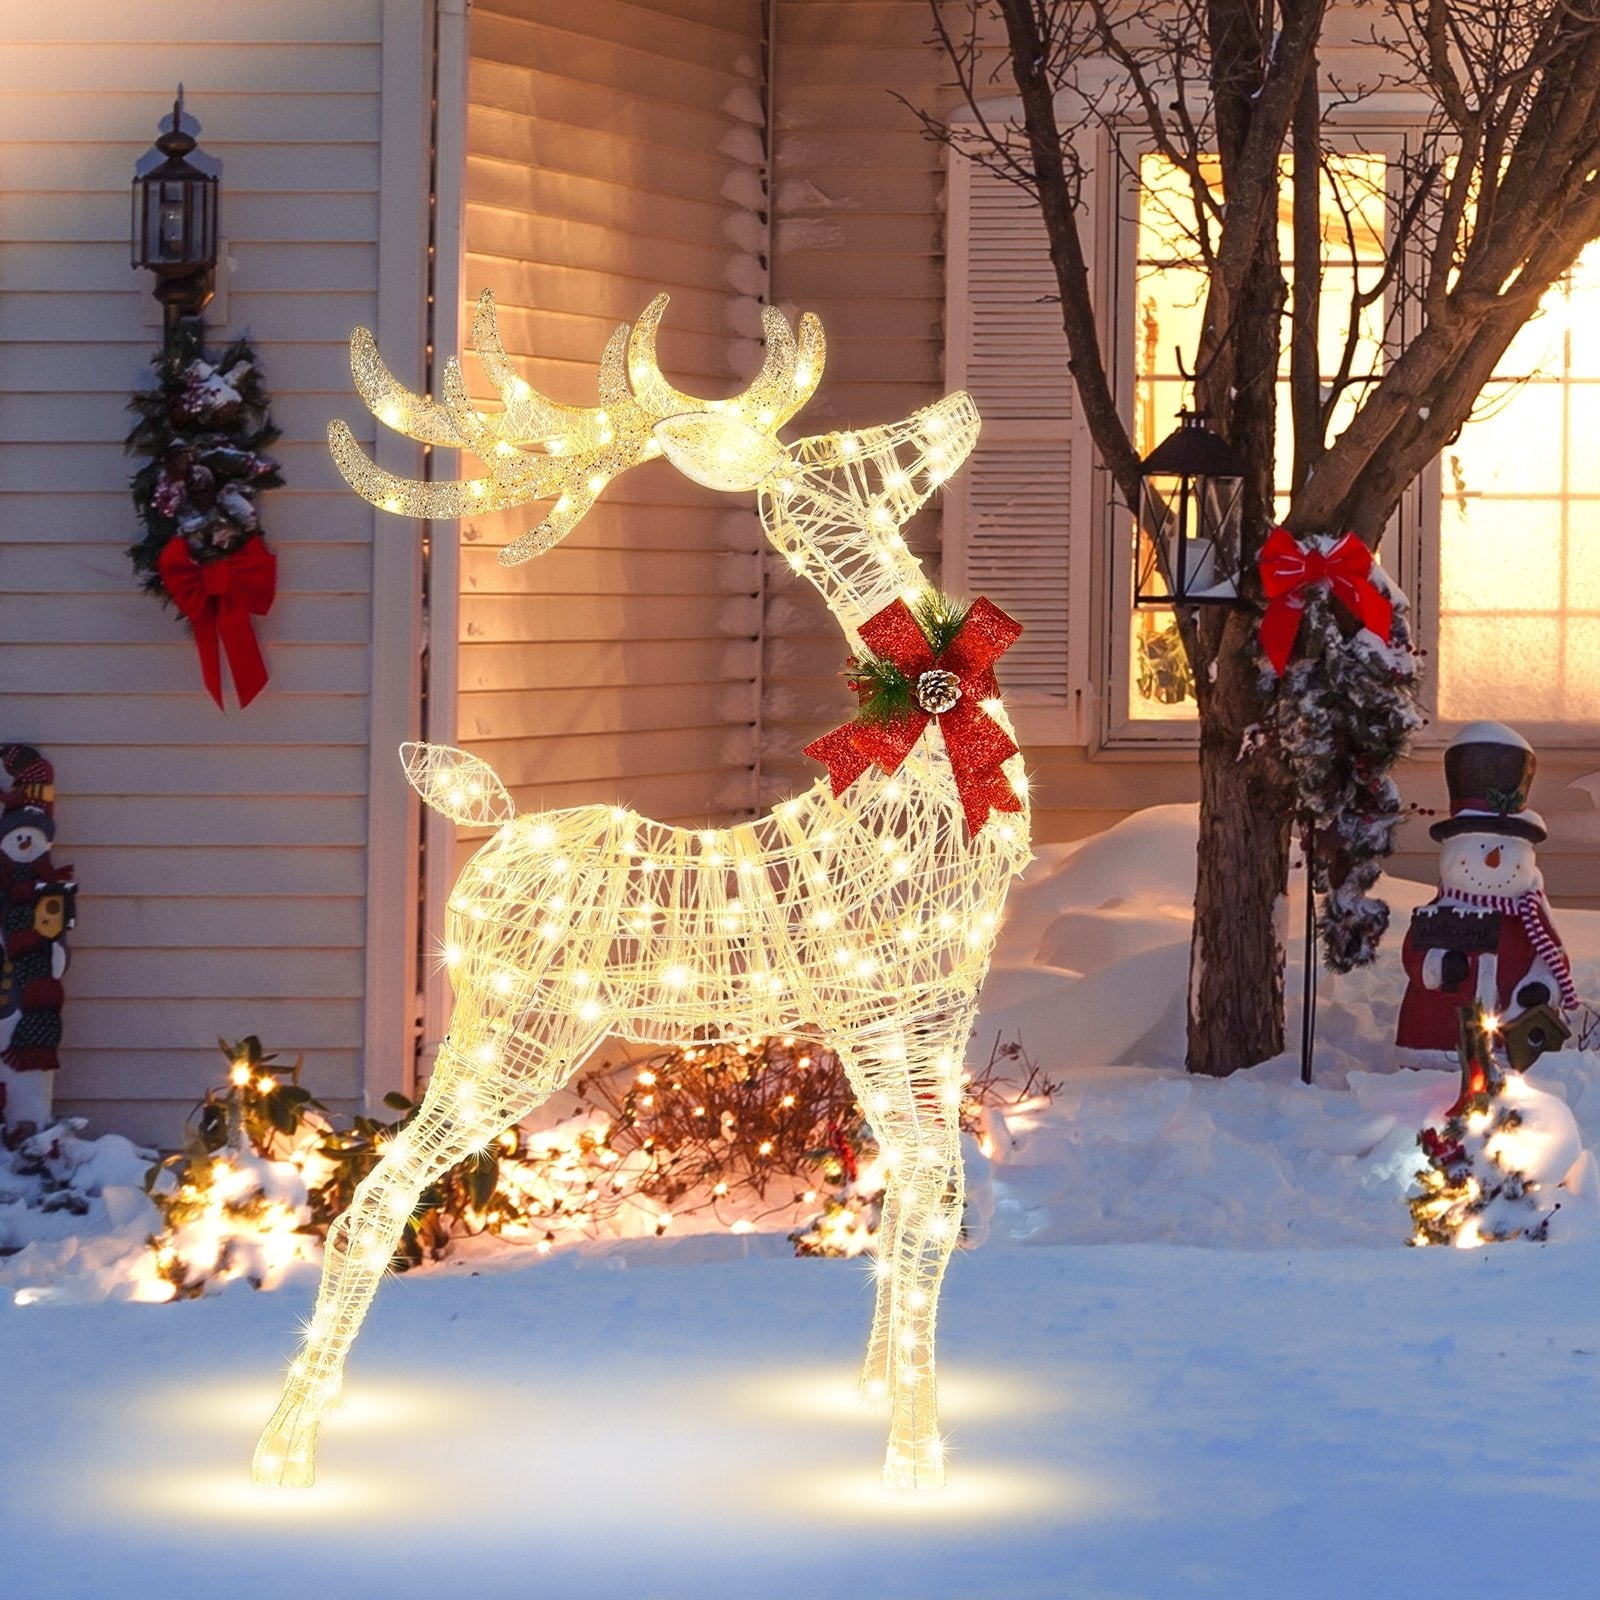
[[205, 428], [1342, 716]]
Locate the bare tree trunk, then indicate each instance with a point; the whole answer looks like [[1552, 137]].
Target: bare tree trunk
[[1516, 87], [1246, 811], [1246, 797]]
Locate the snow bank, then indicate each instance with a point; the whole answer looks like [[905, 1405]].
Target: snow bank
[[1090, 978]]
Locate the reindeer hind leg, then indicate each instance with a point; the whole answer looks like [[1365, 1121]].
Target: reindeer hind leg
[[359, 1247], [466, 1106]]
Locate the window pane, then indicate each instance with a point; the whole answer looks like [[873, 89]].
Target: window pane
[[1520, 525], [1169, 302], [1502, 661], [1505, 555]]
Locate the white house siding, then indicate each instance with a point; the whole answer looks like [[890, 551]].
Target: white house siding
[[222, 857], [615, 150]]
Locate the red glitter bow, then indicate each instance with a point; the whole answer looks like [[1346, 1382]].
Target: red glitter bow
[[977, 744], [1288, 567], [219, 597]]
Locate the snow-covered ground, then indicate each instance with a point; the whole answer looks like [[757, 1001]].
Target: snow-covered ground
[[1194, 1357]]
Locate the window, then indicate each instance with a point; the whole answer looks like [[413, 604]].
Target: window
[[1519, 526], [1499, 548], [1168, 293]]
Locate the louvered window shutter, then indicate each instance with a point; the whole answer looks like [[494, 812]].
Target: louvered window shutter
[[1017, 520]]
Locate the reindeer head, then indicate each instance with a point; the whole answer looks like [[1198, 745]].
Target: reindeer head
[[538, 450]]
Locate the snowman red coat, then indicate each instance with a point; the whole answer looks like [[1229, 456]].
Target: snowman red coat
[[1428, 1013]]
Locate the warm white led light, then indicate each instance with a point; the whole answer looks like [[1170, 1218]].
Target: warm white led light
[[538, 450], [865, 919]]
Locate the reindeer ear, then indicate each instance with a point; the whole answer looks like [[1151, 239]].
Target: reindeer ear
[[718, 450], [457, 785]]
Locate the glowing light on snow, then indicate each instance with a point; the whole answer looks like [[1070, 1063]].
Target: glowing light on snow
[[968, 1394], [981, 1495], [792, 921]]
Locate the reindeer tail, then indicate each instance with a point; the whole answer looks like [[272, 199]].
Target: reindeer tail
[[457, 785]]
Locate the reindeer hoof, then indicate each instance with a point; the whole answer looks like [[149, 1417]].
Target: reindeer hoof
[[286, 1454], [920, 1465], [906, 1476]]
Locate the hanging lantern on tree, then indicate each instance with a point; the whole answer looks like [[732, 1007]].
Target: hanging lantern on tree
[[1188, 534]]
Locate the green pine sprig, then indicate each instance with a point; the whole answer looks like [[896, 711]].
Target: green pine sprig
[[885, 692], [940, 619]]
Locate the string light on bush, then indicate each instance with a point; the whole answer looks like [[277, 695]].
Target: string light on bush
[[862, 912]]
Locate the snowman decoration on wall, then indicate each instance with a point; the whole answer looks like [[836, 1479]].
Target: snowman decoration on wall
[[36, 912], [1487, 936]]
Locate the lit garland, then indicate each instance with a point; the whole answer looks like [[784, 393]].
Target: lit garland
[[1474, 1189], [867, 916], [237, 1202], [693, 1131]]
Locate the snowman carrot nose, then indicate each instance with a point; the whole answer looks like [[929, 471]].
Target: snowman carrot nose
[[1493, 857]]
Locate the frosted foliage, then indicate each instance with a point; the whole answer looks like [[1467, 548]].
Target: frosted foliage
[[865, 920], [1343, 714]]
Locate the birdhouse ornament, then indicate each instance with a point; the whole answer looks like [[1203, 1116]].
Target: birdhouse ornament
[[1486, 936]]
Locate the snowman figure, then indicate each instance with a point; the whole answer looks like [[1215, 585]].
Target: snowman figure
[[1487, 935], [36, 912]]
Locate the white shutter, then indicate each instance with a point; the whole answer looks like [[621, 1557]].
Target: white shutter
[[1017, 519]]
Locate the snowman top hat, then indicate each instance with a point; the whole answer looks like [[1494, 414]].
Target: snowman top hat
[[1488, 770], [34, 818]]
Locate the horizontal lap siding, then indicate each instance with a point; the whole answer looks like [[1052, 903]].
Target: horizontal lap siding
[[222, 856], [859, 241], [614, 151]]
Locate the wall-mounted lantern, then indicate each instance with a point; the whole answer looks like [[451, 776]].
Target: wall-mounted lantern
[[175, 222], [1189, 535]]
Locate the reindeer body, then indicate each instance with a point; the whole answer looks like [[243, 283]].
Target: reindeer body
[[865, 919]]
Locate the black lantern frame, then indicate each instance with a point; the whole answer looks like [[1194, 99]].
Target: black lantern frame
[[1189, 534], [174, 224]]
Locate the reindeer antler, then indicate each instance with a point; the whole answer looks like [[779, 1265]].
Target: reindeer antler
[[538, 449]]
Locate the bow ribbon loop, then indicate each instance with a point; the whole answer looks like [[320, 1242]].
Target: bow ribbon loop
[[219, 598], [977, 745], [1288, 568]]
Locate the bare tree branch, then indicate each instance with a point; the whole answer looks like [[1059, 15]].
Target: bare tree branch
[[1305, 400]]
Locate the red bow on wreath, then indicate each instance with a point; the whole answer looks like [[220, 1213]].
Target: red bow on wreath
[[949, 687], [219, 597], [1289, 567]]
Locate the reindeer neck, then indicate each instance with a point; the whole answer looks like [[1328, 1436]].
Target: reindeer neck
[[839, 505], [856, 562]]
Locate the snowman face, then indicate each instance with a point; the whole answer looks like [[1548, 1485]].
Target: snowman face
[[23, 842], [1487, 863]]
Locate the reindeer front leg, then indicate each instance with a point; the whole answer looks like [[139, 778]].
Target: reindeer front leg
[[909, 1083], [876, 1370]]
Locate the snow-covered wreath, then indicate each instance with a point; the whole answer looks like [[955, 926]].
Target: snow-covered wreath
[[1336, 642], [205, 428]]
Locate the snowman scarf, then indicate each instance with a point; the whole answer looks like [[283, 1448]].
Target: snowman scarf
[[1533, 911]]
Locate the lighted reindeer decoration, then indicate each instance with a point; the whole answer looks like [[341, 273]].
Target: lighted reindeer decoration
[[863, 911]]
